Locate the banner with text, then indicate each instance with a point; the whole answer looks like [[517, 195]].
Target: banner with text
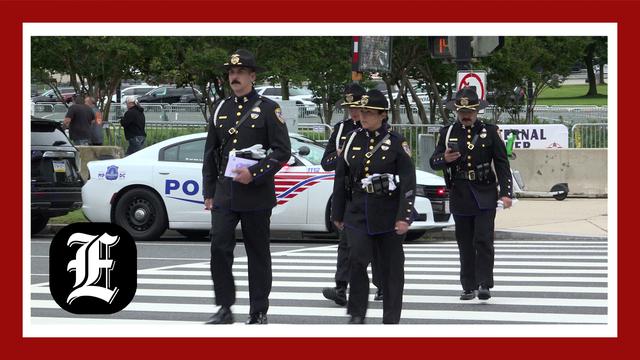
[[542, 136]]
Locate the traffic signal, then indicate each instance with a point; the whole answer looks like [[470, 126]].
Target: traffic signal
[[440, 47], [463, 48], [482, 46]]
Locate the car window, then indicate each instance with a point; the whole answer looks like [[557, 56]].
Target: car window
[[191, 151], [298, 92], [315, 156], [272, 92], [159, 91], [140, 91], [45, 134]]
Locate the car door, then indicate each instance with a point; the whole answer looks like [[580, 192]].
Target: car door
[[178, 179]]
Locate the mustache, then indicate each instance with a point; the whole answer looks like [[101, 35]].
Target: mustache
[[235, 82]]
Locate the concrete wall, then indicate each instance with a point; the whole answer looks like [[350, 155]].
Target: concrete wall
[[585, 170], [90, 153]]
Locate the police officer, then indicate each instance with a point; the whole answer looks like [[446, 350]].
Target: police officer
[[352, 95], [466, 151], [373, 199], [243, 125]]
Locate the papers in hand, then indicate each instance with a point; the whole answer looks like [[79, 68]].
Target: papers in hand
[[237, 163]]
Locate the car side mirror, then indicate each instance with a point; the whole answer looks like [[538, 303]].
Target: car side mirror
[[304, 150], [292, 160]]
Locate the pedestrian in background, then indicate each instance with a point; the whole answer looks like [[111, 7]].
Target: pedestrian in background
[[78, 120], [352, 95], [133, 124], [468, 151], [373, 197], [97, 136], [250, 126]]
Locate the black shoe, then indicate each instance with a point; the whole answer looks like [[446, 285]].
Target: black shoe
[[356, 320], [484, 293], [223, 316], [337, 294], [258, 318], [379, 296], [468, 295]]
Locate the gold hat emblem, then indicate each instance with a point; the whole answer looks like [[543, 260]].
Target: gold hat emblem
[[349, 97], [364, 100], [235, 58], [464, 101]]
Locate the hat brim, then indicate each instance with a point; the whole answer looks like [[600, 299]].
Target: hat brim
[[451, 105], [254, 68], [371, 107]]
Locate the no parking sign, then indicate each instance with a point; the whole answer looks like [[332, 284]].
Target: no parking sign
[[473, 78]]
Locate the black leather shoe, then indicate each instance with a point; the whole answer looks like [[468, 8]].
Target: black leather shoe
[[223, 316], [468, 295], [356, 320], [484, 293], [337, 294], [259, 318], [379, 296]]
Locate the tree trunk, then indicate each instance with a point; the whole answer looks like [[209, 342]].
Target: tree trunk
[[421, 112], [529, 115], [601, 75], [395, 114], [588, 60], [284, 88], [436, 100]]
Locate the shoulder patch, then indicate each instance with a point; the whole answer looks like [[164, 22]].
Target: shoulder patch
[[279, 115], [406, 148]]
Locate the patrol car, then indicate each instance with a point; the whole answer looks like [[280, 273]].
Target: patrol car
[[160, 187]]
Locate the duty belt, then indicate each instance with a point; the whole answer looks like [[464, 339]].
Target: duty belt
[[465, 175]]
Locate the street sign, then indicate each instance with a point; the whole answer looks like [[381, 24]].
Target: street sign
[[473, 78]]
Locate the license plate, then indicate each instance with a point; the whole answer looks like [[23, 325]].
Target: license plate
[[446, 207], [59, 166]]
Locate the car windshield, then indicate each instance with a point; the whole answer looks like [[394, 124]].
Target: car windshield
[[48, 135], [300, 92], [316, 151]]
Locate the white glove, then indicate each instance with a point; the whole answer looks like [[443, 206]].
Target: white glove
[[257, 152]]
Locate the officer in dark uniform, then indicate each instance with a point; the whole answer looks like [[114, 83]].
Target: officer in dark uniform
[[244, 125], [352, 95], [466, 152], [373, 199]]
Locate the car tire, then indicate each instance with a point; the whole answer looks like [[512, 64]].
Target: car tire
[[38, 223], [142, 214], [194, 234], [413, 235]]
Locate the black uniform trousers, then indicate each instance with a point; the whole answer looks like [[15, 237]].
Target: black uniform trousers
[[389, 247], [474, 234], [256, 234], [342, 266]]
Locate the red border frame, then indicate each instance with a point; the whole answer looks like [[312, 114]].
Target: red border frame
[[14, 14]]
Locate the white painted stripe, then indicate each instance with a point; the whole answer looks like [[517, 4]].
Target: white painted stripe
[[453, 245], [498, 251], [407, 286], [513, 242], [455, 262], [104, 322], [418, 299], [431, 277], [409, 269], [480, 315], [146, 258], [513, 256]]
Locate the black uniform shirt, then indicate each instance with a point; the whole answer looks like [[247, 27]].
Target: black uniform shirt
[[341, 129], [372, 213], [265, 125], [472, 181]]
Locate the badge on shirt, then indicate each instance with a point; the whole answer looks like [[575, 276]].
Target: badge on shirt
[[384, 147], [406, 148], [254, 115], [279, 115]]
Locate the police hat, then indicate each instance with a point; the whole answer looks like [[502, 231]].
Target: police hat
[[467, 100], [352, 94], [373, 99], [242, 58]]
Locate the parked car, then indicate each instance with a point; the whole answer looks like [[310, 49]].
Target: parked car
[[160, 187], [56, 183], [137, 91], [166, 95], [50, 96], [302, 97]]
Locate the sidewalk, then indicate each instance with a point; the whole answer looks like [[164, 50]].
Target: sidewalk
[[572, 216]]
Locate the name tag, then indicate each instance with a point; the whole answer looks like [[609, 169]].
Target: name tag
[[356, 148], [222, 117]]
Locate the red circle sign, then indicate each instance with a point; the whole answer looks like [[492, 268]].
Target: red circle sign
[[465, 83]]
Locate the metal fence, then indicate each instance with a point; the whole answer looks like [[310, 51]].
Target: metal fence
[[589, 136]]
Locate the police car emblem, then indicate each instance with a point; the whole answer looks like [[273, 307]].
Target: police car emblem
[[279, 115], [112, 173], [406, 148], [235, 58]]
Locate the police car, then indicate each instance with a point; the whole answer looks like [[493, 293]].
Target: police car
[[160, 187]]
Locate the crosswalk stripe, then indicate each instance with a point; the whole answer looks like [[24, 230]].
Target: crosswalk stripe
[[512, 256], [327, 275], [484, 315]]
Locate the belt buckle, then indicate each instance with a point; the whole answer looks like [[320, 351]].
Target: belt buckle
[[472, 175], [232, 131], [370, 188]]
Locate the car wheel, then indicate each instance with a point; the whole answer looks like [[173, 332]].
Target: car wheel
[[194, 234], [413, 235], [142, 214], [560, 187], [38, 223]]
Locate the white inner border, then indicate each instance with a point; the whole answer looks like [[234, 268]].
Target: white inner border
[[102, 329]]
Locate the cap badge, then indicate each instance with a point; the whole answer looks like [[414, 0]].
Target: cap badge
[[464, 101], [364, 100], [235, 58]]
